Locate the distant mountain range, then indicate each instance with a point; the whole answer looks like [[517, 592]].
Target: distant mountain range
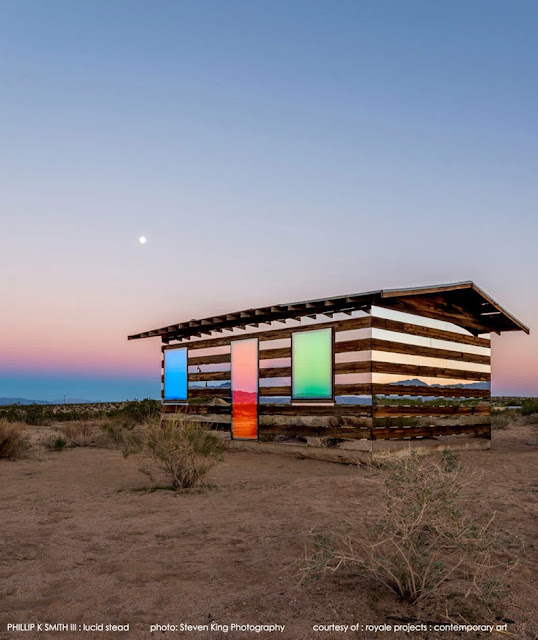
[[9, 401], [415, 382]]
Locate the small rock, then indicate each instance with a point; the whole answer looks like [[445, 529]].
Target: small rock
[[532, 441]]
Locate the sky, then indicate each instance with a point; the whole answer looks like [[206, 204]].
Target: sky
[[270, 152]]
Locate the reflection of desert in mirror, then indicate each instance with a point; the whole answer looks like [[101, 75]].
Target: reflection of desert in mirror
[[245, 389]]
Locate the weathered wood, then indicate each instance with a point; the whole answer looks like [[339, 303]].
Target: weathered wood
[[419, 390], [437, 306], [352, 367], [210, 392], [339, 390], [346, 346], [354, 433], [382, 411], [429, 352], [278, 334], [197, 408], [214, 359], [399, 433], [209, 375], [429, 372], [269, 354], [427, 332], [275, 391], [351, 410], [364, 389]]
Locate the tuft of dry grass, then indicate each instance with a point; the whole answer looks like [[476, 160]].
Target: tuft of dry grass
[[13, 440], [426, 545], [185, 450], [84, 433]]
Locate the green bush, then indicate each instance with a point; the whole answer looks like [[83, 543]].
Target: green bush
[[56, 443], [529, 406], [136, 412]]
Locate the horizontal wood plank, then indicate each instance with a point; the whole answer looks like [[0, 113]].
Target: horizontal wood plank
[[428, 332], [416, 371], [382, 411], [214, 359], [399, 433], [277, 334], [429, 352], [328, 410], [420, 390], [291, 431]]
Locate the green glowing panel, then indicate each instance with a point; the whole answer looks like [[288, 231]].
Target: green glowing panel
[[312, 365]]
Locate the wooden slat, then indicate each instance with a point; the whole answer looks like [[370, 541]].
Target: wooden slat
[[339, 390], [275, 391], [268, 354], [429, 352], [429, 372], [277, 334], [221, 357], [353, 389], [382, 411], [427, 332], [352, 367], [398, 433], [339, 367], [209, 375], [210, 392], [345, 346], [419, 390], [352, 410], [275, 372], [354, 433]]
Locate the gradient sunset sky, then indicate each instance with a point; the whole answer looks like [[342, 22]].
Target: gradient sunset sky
[[270, 152]]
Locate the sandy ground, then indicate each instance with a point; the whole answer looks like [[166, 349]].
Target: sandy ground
[[80, 543]]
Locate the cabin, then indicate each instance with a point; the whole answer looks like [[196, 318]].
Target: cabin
[[353, 372]]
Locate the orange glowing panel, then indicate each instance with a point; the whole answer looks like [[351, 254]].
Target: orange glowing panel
[[245, 389]]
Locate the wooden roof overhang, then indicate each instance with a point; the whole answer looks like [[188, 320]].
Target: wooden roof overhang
[[462, 303]]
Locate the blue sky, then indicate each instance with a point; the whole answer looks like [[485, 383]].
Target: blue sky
[[270, 152]]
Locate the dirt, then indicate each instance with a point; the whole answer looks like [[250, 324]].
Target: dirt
[[83, 542]]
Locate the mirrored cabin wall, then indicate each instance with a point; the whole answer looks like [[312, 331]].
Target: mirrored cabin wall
[[429, 378], [394, 376], [314, 378]]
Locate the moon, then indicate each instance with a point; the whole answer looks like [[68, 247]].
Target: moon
[[142, 239]]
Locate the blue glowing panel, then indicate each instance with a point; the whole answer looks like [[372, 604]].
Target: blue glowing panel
[[175, 374]]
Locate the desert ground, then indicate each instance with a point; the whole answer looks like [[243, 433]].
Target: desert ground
[[85, 541]]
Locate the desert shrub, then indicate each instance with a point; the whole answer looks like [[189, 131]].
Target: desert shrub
[[13, 440], [115, 433], [81, 434], [13, 413], [37, 414], [136, 412], [529, 406], [56, 443], [425, 543], [500, 420], [185, 450]]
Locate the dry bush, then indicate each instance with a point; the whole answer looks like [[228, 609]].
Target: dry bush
[[13, 440], [501, 420], [185, 450], [425, 544], [81, 434]]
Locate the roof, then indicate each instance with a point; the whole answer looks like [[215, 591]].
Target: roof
[[462, 303]]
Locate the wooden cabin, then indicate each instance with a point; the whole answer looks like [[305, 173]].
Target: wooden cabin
[[387, 365]]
